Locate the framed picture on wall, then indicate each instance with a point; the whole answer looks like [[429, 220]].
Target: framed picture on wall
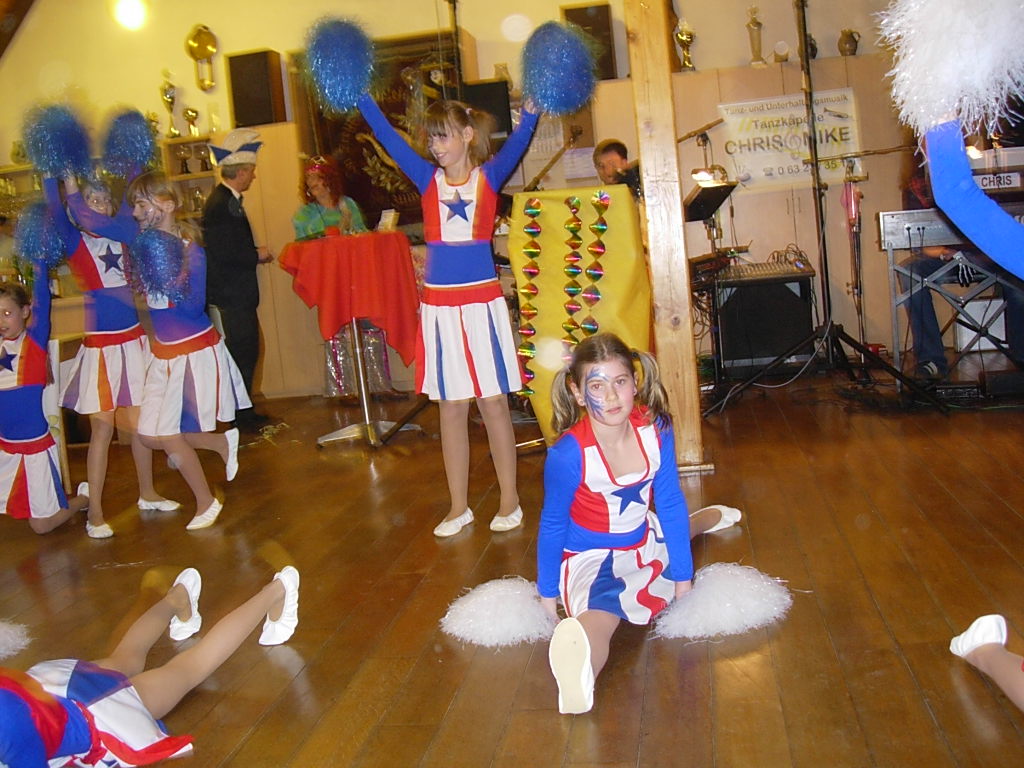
[[412, 72]]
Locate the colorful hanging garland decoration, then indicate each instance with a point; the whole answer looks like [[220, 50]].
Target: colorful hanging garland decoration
[[572, 270], [528, 291], [594, 271]]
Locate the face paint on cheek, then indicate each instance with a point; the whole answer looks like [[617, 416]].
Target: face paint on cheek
[[594, 397]]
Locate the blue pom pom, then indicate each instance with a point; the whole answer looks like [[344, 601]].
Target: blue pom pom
[[558, 68], [57, 142], [340, 59], [158, 264], [129, 145], [36, 236]]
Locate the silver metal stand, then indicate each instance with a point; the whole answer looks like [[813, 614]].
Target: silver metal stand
[[377, 433]]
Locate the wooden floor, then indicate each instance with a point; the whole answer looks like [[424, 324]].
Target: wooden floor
[[893, 529]]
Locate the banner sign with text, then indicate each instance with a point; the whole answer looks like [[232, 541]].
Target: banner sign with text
[[766, 141]]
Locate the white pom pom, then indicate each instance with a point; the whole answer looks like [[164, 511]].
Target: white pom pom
[[499, 613], [13, 638], [954, 59], [726, 599]]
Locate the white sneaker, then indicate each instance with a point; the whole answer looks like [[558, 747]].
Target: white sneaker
[[448, 528], [160, 505], [101, 531], [277, 632], [508, 522], [207, 518], [231, 465], [193, 584], [569, 657], [984, 630], [730, 516]]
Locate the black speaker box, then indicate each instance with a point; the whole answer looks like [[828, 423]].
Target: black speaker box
[[257, 88], [596, 21], [492, 97], [758, 322]]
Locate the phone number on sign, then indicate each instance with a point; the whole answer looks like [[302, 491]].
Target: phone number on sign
[[785, 170]]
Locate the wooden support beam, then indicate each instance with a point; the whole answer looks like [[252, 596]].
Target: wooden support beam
[[650, 72]]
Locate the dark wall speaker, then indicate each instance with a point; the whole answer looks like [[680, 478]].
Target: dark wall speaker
[[492, 97], [596, 21], [760, 321], [257, 88]]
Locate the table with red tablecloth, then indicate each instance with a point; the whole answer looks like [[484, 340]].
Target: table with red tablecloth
[[368, 275]]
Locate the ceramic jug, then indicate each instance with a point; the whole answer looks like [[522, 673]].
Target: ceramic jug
[[848, 40]]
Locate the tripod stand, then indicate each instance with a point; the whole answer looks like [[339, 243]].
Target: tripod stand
[[828, 337]]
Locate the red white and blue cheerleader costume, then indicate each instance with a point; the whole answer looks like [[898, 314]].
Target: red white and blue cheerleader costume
[[466, 348], [68, 712], [191, 382], [600, 545], [30, 484], [109, 369]]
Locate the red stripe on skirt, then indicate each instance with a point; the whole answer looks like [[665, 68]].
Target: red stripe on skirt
[[17, 500], [207, 338], [113, 339], [27, 447], [458, 296], [469, 358]]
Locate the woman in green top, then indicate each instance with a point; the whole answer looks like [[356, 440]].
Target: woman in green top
[[327, 208], [329, 212]]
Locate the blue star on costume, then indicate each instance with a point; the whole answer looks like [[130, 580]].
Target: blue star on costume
[[7, 360], [457, 207], [629, 495], [111, 259]]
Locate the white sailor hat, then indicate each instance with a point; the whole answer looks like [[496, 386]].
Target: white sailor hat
[[238, 147]]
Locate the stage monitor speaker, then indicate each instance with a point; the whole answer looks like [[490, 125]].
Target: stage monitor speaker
[[257, 88], [491, 96], [757, 322], [596, 21]]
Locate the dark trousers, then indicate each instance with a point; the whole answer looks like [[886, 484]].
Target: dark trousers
[[242, 338]]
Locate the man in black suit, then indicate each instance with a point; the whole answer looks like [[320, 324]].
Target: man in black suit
[[232, 257]]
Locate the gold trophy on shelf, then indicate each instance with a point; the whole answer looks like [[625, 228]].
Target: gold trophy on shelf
[[191, 114], [183, 152], [684, 36], [754, 27], [168, 94]]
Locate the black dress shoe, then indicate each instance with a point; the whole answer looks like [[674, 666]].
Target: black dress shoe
[[251, 419]]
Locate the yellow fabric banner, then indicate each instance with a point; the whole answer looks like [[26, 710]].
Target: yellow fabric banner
[[580, 269]]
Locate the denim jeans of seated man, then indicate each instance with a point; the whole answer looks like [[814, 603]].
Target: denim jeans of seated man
[[924, 325]]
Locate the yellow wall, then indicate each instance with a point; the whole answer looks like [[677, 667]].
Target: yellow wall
[[73, 50]]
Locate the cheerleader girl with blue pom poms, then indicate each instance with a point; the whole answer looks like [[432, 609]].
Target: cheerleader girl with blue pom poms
[[30, 483], [191, 382], [601, 548], [108, 372], [466, 350]]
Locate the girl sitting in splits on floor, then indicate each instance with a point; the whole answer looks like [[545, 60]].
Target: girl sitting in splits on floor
[[107, 712], [601, 547]]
